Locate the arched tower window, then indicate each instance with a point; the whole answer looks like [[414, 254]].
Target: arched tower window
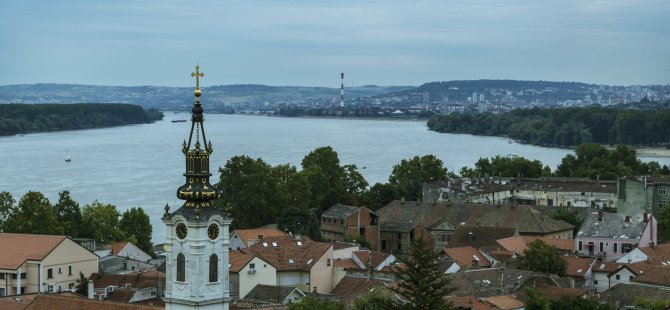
[[181, 268], [213, 268]]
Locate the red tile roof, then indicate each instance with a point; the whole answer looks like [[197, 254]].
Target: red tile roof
[[655, 275], [505, 302], [17, 248], [346, 263], [519, 244], [468, 302], [118, 247], [51, 302], [577, 266], [253, 234], [377, 258], [463, 256], [238, 259], [285, 254]]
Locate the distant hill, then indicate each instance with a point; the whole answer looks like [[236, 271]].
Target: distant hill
[[169, 98]]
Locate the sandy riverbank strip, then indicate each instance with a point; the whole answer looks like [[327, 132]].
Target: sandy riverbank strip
[[653, 152]]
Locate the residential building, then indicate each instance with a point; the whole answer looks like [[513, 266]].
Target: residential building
[[59, 301], [244, 238], [480, 237], [625, 295], [656, 254], [340, 222], [466, 258], [350, 288], [403, 221], [248, 270], [372, 259], [611, 235], [637, 195], [127, 288], [505, 302], [580, 270], [300, 262], [129, 250], [271, 295], [42, 263], [344, 249], [519, 244]]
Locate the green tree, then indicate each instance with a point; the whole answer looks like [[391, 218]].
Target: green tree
[[101, 222], [409, 175], [577, 303], [649, 304], [378, 195], [294, 220], [6, 207], [34, 215], [566, 214], [539, 256], [136, 224], [68, 213], [246, 189], [375, 299], [326, 178], [664, 225], [311, 302], [536, 301], [423, 285], [82, 285]]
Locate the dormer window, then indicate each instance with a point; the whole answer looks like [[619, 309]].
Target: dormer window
[[290, 261], [299, 243], [265, 244], [274, 244]]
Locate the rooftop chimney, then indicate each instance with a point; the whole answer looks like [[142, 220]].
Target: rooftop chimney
[[645, 217], [600, 216], [91, 290]]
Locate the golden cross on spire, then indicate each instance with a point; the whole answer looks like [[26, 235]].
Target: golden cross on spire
[[197, 74]]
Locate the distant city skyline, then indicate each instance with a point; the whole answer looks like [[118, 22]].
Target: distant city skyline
[[308, 43]]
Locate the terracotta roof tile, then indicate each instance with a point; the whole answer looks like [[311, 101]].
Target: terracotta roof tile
[[463, 256], [285, 254], [238, 259], [577, 266], [468, 302], [339, 245], [377, 258], [17, 248], [519, 244], [51, 302], [118, 247], [654, 275], [505, 302], [254, 234]]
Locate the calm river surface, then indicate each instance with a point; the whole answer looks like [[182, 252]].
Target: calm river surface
[[142, 165]]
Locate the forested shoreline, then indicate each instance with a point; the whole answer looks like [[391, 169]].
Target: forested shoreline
[[31, 118], [564, 127]]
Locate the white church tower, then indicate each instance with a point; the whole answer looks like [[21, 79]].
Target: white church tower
[[197, 234]]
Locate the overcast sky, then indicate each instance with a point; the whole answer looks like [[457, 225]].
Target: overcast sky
[[308, 43]]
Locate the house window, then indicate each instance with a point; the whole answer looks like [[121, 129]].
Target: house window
[[181, 268], [662, 190], [69, 270], [662, 203], [580, 245], [383, 244], [616, 245], [626, 247], [601, 247], [60, 270], [618, 277], [252, 266], [595, 282], [328, 262], [341, 221], [290, 261], [50, 273], [70, 286], [631, 278], [213, 268], [361, 231], [2, 276], [24, 275]]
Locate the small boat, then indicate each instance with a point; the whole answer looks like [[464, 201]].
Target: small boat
[[178, 120], [67, 157]]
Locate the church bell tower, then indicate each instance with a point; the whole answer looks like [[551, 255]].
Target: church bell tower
[[197, 237]]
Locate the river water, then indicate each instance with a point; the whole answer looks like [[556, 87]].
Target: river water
[[142, 165]]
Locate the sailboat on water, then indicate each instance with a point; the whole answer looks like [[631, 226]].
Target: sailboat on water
[[67, 157]]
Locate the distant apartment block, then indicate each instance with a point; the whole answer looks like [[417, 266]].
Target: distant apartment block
[[342, 221]]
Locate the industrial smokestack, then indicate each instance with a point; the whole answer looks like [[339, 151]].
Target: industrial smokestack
[[342, 90]]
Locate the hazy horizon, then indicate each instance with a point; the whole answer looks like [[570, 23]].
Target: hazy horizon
[[306, 43]]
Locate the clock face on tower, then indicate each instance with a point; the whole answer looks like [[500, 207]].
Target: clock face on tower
[[213, 231], [181, 231]]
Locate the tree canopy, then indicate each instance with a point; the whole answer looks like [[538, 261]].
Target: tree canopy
[[33, 215], [135, 224], [539, 256], [409, 175], [422, 284]]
